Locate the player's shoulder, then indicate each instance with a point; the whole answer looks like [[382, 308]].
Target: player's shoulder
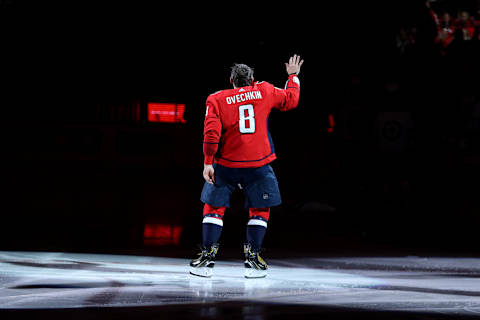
[[264, 85], [219, 94], [214, 95]]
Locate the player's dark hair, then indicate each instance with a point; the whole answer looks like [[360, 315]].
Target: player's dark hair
[[241, 75]]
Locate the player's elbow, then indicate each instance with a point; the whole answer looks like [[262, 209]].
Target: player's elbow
[[291, 104]]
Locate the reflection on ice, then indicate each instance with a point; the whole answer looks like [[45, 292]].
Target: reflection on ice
[[228, 282], [62, 280]]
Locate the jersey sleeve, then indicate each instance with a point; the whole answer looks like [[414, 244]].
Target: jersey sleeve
[[212, 130], [287, 99]]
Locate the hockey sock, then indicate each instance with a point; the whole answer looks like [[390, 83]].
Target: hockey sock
[[257, 226], [210, 234], [212, 224]]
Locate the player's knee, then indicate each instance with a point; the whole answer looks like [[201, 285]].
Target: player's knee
[[259, 216], [213, 214]]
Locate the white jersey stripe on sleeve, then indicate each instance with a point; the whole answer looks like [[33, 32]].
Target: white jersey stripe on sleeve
[[294, 79]]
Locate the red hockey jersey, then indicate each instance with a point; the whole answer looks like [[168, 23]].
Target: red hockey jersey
[[236, 123]]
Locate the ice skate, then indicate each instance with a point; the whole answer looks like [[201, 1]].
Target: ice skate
[[255, 266], [203, 265]]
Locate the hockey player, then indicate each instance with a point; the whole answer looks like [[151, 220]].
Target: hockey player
[[237, 149]]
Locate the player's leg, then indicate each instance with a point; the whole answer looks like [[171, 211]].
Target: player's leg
[[216, 198], [212, 224], [257, 226], [255, 266], [262, 192], [211, 230]]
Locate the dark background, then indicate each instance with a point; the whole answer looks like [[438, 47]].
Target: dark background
[[82, 172]]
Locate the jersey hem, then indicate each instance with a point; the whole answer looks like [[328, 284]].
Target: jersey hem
[[246, 163]]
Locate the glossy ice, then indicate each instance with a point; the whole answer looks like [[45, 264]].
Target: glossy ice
[[68, 280]]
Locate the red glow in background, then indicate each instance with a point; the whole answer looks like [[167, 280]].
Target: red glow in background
[[166, 112]]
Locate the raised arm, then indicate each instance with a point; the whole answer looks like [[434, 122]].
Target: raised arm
[[287, 98]]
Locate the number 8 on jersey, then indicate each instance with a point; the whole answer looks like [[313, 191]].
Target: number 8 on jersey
[[246, 123]]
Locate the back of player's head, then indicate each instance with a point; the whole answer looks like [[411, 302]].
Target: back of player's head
[[241, 75]]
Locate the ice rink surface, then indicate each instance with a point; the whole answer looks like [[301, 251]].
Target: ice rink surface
[[147, 287]]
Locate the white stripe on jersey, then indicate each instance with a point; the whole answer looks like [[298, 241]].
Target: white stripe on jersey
[[294, 79]]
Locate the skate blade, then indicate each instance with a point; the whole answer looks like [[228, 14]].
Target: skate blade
[[251, 273], [201, 272]]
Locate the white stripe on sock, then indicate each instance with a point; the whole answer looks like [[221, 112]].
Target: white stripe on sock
[[216, 221], [257, 222]]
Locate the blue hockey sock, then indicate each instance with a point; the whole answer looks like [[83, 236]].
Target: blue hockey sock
[[255, 235], [210, 234]]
